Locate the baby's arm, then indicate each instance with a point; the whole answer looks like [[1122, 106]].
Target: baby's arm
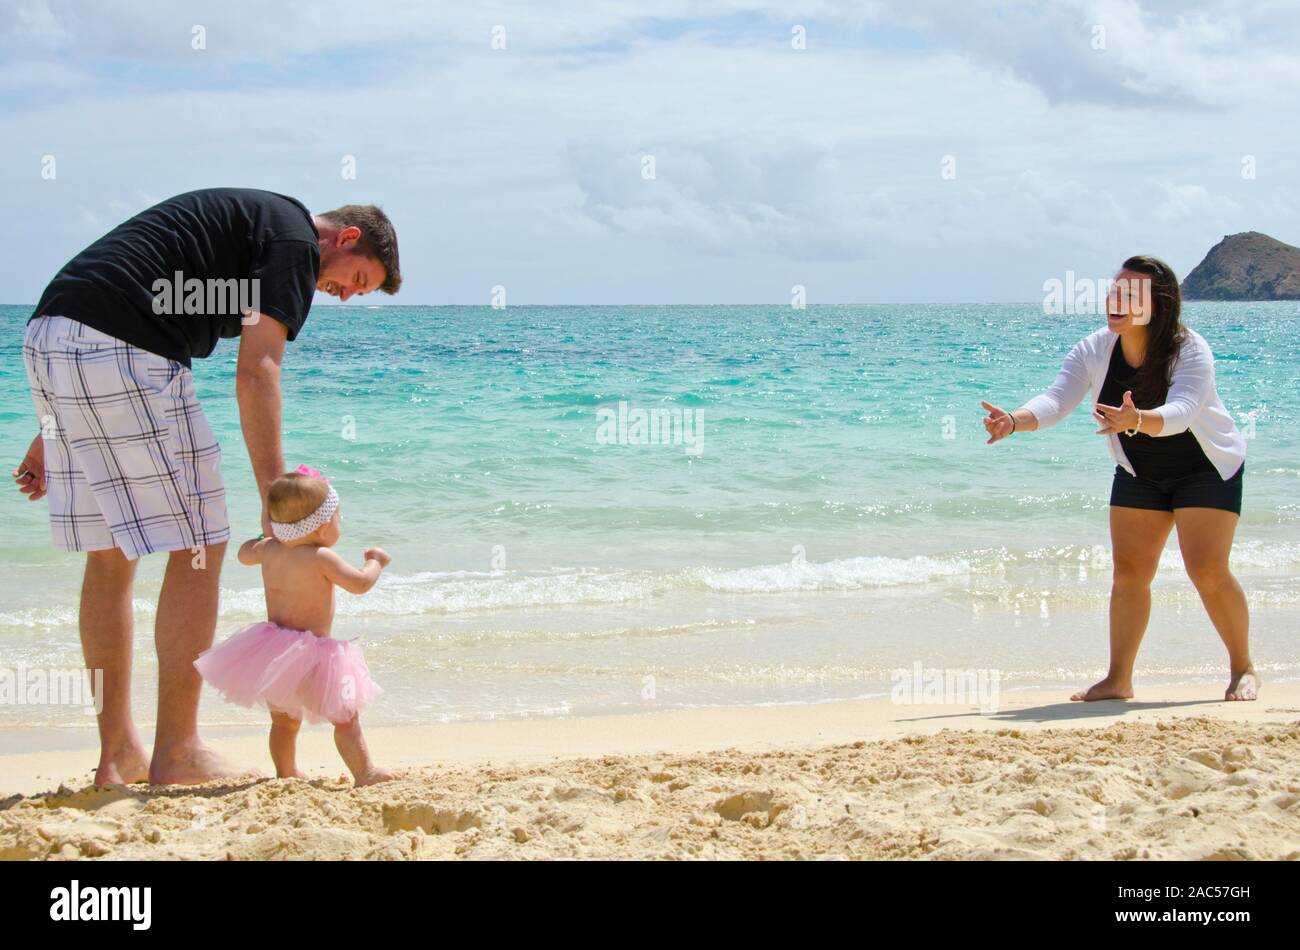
[[352, 580], [250, 552]]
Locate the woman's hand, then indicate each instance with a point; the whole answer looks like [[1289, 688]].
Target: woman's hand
[[999, 423], [1117, 419], [30, 473]]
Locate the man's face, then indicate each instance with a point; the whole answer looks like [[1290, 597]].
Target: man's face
[[344, 273]]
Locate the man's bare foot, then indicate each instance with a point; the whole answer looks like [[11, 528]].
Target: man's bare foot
[[296, 773], [374, 777], [1106, 689], [1243, 686], [122, 766], [192, 763]]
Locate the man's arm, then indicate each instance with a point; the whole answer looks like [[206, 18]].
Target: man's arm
[[257, 388]]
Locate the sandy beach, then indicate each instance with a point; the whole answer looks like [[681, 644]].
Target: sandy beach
[[1175, 775]]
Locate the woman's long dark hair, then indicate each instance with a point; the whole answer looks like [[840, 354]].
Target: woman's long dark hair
[[1165, 332]]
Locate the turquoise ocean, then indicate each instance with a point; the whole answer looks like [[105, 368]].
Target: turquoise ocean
[[837, 517]]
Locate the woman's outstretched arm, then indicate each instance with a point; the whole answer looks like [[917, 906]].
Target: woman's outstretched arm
[[1047, 408], [1065, 393]]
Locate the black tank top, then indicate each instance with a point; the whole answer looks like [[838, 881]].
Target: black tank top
[[1154, 457]]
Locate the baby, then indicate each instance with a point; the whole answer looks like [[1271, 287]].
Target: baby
[[288, 663]]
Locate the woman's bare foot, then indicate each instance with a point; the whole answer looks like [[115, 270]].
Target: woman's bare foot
[[1106, 689], [122, 766], [192, 763], [1243, 686], [374, 777]]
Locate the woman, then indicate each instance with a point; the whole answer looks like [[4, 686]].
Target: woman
[[1180, 459]]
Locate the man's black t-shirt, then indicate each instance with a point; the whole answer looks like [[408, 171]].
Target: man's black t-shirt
[[177, 278]]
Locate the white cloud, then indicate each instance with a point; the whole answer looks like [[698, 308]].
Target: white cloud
[[1208, 55], [772, 164], [1195, 203], [33, 24]]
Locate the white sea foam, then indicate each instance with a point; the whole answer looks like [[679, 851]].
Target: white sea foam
[[855, 573], [459, 592], [444, 593], [430, 592]]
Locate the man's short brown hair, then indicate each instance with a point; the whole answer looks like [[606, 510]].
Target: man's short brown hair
[[378, 239]]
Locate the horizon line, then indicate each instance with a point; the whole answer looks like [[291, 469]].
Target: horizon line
[[860, 303]]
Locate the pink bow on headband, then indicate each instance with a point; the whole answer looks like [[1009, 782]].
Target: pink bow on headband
[[310, 472]]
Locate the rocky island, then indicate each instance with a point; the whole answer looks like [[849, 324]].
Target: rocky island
[[1246, 266]]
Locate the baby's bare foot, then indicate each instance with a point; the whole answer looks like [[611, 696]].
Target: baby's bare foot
[[374, 777], [1106, 689], [1243, 687]]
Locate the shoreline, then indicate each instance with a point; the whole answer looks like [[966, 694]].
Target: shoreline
[[750, 728]]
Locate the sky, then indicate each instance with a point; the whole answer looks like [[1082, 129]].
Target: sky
[[707, 152]]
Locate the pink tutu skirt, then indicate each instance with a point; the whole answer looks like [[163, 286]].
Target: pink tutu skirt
[[292, 672]]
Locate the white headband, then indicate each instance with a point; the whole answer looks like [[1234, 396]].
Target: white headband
[[293, 530]]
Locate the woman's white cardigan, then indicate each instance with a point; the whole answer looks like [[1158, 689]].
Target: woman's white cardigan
[[1193, 402]]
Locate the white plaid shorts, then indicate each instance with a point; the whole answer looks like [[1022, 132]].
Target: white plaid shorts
[[130, 461]]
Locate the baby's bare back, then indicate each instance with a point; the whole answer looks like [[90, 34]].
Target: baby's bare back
[[298, 595]]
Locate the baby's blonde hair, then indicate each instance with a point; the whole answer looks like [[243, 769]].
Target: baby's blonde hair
[[294, 496]]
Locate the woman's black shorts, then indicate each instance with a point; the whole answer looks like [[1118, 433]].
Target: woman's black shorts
[[1197, 490]]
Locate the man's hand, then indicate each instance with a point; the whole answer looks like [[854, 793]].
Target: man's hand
[[30, 473], [378, 554]]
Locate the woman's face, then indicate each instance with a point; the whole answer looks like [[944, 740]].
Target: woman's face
[[1129, 303]]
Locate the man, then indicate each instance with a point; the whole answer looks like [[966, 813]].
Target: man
[[125, 454]]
